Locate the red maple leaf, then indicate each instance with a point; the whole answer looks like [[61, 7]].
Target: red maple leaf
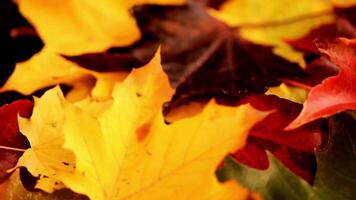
[[295, 148], [320, 67], [337, 93], [11, 140]]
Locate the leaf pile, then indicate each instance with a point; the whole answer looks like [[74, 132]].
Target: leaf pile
[[177, 99]]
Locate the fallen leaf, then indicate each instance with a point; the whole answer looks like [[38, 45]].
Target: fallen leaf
[[334, 178], [276, 21], [193, 60], [30, 76], [84, 26], [12, 142], [335, 94], [137, 155], [343, 26], [295, 149], [44, 132], [48, 68]]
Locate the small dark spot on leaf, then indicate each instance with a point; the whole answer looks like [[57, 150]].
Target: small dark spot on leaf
[[142, 131]]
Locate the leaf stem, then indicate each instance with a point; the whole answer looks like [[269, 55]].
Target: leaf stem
[[12, 148]]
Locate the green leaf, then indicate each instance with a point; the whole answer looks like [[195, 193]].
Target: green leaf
[[335, 177]]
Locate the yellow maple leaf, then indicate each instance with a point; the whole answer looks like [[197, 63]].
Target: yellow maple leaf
[[46, 136], [72, 28], [270, 23], [47, 157], [44, 132], [48, 68], [126, 151], [81, 26]]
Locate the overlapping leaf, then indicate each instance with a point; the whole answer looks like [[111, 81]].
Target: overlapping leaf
[[75, 27], [107, 138], [44, 132], [334, 94], [71, 28], [275, 22], [295, 149], [344, 26], [48, 68], [193, 61], [12, 142], [334, 178], [128, 152]]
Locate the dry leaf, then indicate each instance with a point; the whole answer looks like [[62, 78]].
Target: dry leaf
[[48, 68], [72, 28], [273, 22], [128, 152], [82, 26], [336, 93], [44, 132]]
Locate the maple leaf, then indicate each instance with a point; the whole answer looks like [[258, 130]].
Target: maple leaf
[[12, 142], [295, 149], [127, 151], [193, 60], [46, 157], [334, 94], [84, 26], [30, 76], [68, 38], [334, 178], [43, 131], [319, 67], [275, 22]]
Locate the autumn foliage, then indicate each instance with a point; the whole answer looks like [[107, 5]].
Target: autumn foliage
[[177, 99]]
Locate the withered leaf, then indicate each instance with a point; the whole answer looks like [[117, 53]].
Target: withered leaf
[[197, 50]]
